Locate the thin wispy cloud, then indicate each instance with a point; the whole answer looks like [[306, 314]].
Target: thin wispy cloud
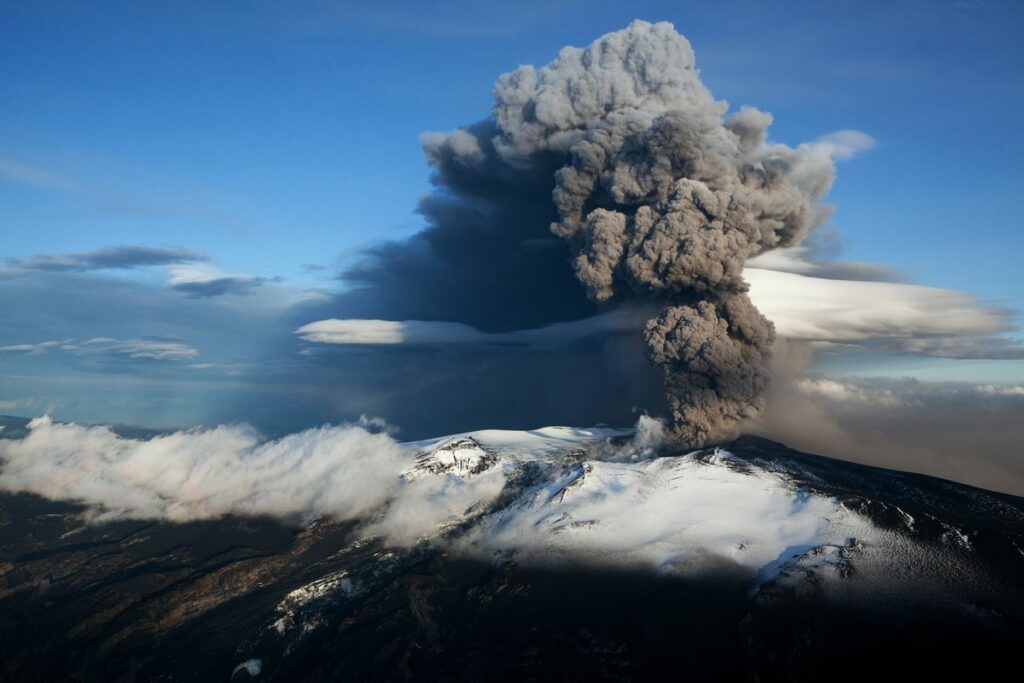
[[187, 270], [843, 145], [37, 348], [125, 257], [801, 260], [139, 348], [200, 281], [22, 174]]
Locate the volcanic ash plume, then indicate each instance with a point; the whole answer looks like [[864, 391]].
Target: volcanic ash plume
[[661, 196]]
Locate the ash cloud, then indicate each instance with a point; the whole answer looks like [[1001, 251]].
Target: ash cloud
[[659, 196], [971, 433]]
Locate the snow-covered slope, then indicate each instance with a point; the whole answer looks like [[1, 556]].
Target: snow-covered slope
[[591, 496], [607, 496], [782, 523], [495, 553], [570, 494]]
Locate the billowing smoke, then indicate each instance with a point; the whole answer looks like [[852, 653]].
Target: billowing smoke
[[659, 194]]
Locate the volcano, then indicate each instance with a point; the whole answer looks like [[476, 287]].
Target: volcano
[[574, 554]]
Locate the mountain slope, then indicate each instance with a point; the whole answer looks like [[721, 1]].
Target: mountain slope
[[554, 554]]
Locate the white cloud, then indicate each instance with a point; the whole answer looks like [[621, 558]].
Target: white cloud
[[37, 348], [18, 348], [192, 273], [335, 331], [23, 174], [1002, 389], [889, 315], [138, 348], [146, 348], [207, 473], [200, 280], [848, 392], [799, 260], [434, 333], [843, 145], [425, 504]]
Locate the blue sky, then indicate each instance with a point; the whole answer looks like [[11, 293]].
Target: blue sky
[[277, 136]]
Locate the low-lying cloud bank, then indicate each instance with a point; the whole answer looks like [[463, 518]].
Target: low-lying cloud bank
[[489, 494], [340, 471], [354, 471], [348, 472], [967, 433]]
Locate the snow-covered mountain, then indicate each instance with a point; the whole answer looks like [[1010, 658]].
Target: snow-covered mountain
[[507, 553]]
